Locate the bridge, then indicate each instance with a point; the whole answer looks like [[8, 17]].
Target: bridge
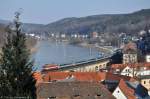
[[90, 65]]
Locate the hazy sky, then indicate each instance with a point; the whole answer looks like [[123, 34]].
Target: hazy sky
[[46, 11]]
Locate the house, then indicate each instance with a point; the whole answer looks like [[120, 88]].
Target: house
[[124, 69], [109, 80], [145, 81], [127, 71], [134, 69], [123, 91], [63, 81], [130, 53], [130, 90], [73, 90]]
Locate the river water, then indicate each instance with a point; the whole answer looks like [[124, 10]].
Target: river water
[[61, 53]]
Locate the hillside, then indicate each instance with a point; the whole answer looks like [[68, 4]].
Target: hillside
[[129, 23], [112, 23]]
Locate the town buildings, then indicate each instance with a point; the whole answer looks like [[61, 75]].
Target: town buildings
[[87, 85], [135, 69], [73, 90], [97, 79], [123, 91], [67, 85], [130, 90], [130, 53]]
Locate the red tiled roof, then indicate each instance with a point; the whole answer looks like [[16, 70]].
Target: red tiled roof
[[84, 90], [79, 76], [55, 76], [119, 66], [130, 46], [111, 76], [38, 77], [128, 92], [84, 76]]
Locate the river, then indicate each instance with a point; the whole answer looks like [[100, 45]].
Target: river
[[61, 53]]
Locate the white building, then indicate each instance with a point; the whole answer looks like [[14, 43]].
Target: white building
[[123, 91], [127, 71], [148, 58]]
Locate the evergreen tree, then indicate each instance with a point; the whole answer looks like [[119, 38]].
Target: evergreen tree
[[16, 79]]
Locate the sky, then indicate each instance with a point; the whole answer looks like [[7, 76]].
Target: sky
[[47, 11]]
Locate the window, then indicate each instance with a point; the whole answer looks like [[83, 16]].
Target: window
[[104, 65], [96, 68], [52, 97], [77, 95], [98, 95], [144, 82], [118, 91]]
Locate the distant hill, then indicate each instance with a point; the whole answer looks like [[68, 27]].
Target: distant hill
[[4, 21], [26, 27], [129, 23], [29, 27], [112, 23]]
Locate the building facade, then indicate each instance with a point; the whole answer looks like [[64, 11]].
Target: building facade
[[130, 53], [145, 81]]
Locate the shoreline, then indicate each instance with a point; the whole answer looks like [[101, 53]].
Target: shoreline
[[35, 48], [102, 49]]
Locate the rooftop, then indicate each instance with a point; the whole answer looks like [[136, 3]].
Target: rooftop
[[130, 48], [128, 92], [145, 77], [81, 76], [119, 66], [73, 90]]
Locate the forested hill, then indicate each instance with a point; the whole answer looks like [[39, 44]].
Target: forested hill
[[129, 23], [112, 23]]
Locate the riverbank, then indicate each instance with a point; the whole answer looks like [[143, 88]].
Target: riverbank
[[35, 47], [102, 49]]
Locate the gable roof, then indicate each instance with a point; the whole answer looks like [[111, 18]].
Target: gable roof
[[116, 77], [128, 92], [84, 76], [130, 48], [79, 76], [139, 90], [82, 90]]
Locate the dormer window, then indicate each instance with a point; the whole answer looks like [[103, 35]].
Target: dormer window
[[77, 95], [144, 82], [52, 97], [98, 95]]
